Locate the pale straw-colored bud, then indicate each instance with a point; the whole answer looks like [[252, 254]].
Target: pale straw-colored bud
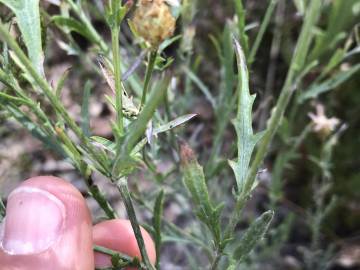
[[153, 21]]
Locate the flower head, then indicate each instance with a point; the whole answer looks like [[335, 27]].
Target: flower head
[[153, 21]]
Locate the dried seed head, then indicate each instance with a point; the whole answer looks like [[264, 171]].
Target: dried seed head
[[153, 21]]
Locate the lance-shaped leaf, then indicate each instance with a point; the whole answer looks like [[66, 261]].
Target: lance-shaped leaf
[[253, 235], [28, 18], [243, 122]]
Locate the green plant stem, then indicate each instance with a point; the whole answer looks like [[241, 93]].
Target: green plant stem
[[124, 191], [92, 31], [96, 193], [149, 72], [216, 260], [47, 90], [264, 25], [117, 73]]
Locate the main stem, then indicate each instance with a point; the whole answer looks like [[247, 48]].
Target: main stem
[[124, 191]]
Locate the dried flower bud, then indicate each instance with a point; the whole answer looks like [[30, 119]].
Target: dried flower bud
[[153, 21]]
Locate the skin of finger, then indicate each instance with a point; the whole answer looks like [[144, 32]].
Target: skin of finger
[[118, 235], [73, 248]]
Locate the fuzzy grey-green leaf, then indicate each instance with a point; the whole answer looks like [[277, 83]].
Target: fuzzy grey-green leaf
[[253, 235], [247, 140]]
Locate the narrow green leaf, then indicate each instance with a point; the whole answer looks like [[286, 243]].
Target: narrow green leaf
[[247, 140], [7, 98], [158, 212], [334, 61], [199, 83], [105, 143], [111, 146], [264, 25], [330, 84], [34, 129], [216, 45], [253, 235], [173, 123], [28, 18], [168, 42], [61, 83], [85, 118], [74, 26], [137, 128], [176, 239]]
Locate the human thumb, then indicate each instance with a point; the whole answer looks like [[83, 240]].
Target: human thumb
[[47, 226]]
